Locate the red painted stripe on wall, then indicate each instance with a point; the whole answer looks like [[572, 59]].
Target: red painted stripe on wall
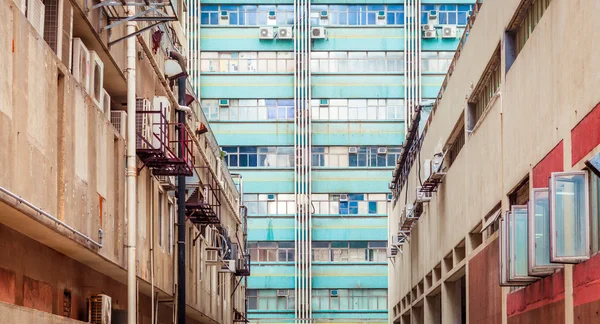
[[540, 293], [586, 281], [552, 162], [585, 136]]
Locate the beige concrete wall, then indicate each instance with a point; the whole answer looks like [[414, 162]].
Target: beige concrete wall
[[68, 160], [549, 88]]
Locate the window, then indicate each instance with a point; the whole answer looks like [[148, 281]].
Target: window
[[270, 204], [271, 251], [247, 62], [349, 251], [270, 299], [539, 234], [483, 94], [250, 110], [457, 142], [526, 18], [513, 250], [349, 299], [161, 197], [569, 217], [357, 62], [436, 62], [357, 109], [371, 157], [453, 14], [252, 156], [358, 204]]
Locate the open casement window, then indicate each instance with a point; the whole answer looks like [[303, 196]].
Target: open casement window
[[569, 217], [539, 234], [513, 248]]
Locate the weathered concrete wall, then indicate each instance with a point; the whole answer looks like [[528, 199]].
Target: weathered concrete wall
[[485, 297]]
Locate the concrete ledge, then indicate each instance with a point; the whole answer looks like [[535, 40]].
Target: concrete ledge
[[13, 314]]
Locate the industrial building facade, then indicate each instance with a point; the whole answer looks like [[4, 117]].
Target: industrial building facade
[[495, 211], [307, 101], [72, 74]]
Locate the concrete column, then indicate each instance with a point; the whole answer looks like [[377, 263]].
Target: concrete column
[[432, 309], [451, 301]]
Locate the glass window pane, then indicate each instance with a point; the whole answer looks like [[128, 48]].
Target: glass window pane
[[540, 229], [569, 216], [518, 244]]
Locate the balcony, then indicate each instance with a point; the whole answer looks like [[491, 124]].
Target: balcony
[[203, 203]]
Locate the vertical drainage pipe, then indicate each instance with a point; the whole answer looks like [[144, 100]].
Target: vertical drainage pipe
[[131, 173], [181, 302]]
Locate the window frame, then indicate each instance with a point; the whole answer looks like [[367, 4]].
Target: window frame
[[533, 268], [554, 258], [504, 256]]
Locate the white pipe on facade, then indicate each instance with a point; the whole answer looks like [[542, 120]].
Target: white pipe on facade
[[131, 173], [294, 43]]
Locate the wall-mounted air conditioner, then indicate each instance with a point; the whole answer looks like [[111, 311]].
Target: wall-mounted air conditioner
[[224, 18], [272, 14], [99, 309], [428, 27], [423, 196], [282, 292], [266, 33], [381, 15], [96, 78], [118, 119], [284, 33], [324, 102], [35, 15], [81, 63], [333, 293], [106, 104], [343, 197], [430, 34], [449, 31], [433, 15], [223, 102], [318, 33], [382, 150], [271, 197], [143, 125], [352, 149], [324, 14], [390, 197], [228, 266]]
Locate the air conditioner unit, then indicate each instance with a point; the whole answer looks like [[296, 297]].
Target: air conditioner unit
[[333, 293], [224, 18], [317, 33], [408, 209], [449, 31], [223, 102], [284, 33], [433, 14], [106, 103], [35, 15], [271, 197], [167, 182], [228, 266], [266, 33], [99, 309], [392, 251], [430, 34], [272, 15], [324, 14], [353, 150], [381, 15], [423, 196], [282, 292], [390, 197], [343, 197], [382, 150], [81, 63], [118, 119], [426, 169], [143, 125], [163, 104], [428, 27], [436, 162], [324, 102], [96, 78]]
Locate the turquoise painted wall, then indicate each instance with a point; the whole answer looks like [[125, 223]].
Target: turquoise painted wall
[[356, 276], [267, 180], [349, 228], [324, 276], [336, 228], [349, 181], [376, 38], [357, 86], [233, 86], [254, 134], [376, 133]]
